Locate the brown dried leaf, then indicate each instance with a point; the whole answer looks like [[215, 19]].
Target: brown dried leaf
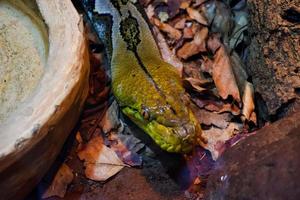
[[207, 65], [239, 71], [100, 162], [219, 14], [223, 75], [246, 88], [126, 147], [196, 84], [180, 23], [166, 53], [185, 4], [190, 31], [221, 107], [150, 11], [248, 101], [208, 118], [62, 179], [172, 32], [196, 46], [145, 2], [111, 119], [174, 6], [196, 15], [214, 43], [198, 2], [216, 138]]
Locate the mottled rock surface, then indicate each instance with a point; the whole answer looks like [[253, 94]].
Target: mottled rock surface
[[263, 166], [274, 59]]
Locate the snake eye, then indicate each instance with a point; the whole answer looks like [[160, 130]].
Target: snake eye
[[145, 113]]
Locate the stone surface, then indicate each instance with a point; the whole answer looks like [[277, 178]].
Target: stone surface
[[263, 166], [274, 59]]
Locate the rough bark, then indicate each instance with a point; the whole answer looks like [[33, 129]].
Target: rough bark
[[274, 58]]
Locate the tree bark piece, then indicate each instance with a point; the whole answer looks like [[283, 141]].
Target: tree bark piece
[[274, 58]]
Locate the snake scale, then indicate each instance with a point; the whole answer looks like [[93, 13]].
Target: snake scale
[[149, 91]]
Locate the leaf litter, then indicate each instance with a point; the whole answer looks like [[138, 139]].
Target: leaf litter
[[199, 38]]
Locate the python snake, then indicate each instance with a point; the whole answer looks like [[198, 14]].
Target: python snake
[[149, 91]]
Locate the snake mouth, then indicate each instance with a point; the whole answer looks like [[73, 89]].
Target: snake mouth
[[174, 139], [180, 139]]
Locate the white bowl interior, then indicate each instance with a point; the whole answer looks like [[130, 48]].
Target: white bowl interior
[[23, 54]]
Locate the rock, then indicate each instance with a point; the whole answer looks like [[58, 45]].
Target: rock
[[262, 166]]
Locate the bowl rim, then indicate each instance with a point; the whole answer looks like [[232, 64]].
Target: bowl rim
[[36, 116]]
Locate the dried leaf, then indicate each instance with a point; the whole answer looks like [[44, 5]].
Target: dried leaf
[[219, 14], [223, 75], [220, 107], [172, 32], [163, 16], [111, 120], [180, 23], [196, 15], [216, 138], [248, 101], [210, 118], [197, 85], [239, 71], [174, 6], [198, 2], [126, 147], [214, 43], [100, 162], [150, 11], [185, 4], [167, 55], [241, 25], [196, 46], [190, 31], [62, 179], [207, 65]]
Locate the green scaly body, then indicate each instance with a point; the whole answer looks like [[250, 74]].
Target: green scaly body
[[148, 90]]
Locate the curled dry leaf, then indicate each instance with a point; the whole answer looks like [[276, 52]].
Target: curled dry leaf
[[174, 6], [172, 32], [223, 75], [100, 162], [150, 12], [196, 15], [198, 44], [214, 43], [246, 88], [219, 14], [210, 118], [216, 138], [196, 84], [62, 179], [248, 101], [190, 30], [241, 25], [185, 4], [220, 107], [126, 147], [166, 53], [111, 120]]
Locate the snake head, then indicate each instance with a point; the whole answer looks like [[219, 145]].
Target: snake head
[[173, 132]]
